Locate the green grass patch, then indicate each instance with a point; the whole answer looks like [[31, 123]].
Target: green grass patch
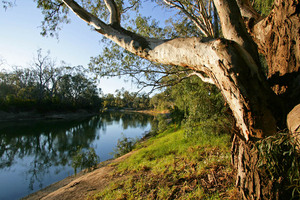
[[174, 166]]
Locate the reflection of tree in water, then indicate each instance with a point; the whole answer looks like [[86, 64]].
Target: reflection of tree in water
[[130, 120], [53, 143], [46, 143]]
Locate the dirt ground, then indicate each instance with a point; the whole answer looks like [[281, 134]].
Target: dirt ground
[[80, 186]]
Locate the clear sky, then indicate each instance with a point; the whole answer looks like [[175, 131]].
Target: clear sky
[[20, 39]]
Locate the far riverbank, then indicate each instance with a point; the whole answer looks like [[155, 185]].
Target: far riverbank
[[33, 115]]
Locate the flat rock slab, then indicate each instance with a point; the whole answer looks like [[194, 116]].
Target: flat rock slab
[[293, 119], [293, 123]]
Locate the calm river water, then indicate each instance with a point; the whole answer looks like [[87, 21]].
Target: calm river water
[[38, 153]]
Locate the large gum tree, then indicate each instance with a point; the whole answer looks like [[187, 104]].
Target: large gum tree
[[260, 99]]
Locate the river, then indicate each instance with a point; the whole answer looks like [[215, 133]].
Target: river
[[35, 154]]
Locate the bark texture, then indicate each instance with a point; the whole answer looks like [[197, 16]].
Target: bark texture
[[252, 181], [278, 39]]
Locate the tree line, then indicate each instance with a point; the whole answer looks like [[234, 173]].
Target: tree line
[[46, 87], [125, 99]]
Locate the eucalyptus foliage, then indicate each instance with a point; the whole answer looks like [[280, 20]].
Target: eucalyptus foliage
[[280, 159]]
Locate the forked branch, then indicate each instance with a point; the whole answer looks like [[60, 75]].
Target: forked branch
[[115, 16]]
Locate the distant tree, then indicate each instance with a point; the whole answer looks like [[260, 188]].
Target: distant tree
[[161, 101], [44, 83], [108, 101], [44, 69], [77, 90]]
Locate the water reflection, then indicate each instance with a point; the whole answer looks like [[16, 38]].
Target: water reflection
[[41, 151]]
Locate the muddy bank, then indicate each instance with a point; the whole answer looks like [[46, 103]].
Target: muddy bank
[[32, 115], [151, 112]]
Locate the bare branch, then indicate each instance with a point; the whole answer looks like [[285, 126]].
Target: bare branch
[[247, 11], [129, 7], [190, 15], [115, 16], [203, 78], [205, 17]]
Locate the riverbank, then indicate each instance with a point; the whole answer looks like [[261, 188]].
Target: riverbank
[[167, 166], [33, 115], [153, 112], [148, 112], [78, 186]]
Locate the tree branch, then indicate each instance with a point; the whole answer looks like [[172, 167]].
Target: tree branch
[[203, 78], [99, 25], [233, 26], [248, 12], [189, 15], [115, 16]]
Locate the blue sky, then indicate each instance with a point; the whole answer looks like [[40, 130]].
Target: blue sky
[[20, 39]]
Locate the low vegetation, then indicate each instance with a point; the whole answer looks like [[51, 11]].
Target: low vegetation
[[124, 145], [172, 165]]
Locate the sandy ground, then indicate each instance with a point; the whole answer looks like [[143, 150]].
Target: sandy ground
[[80, 186]]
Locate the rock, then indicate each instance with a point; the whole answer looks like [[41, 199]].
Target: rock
[[293, 123]]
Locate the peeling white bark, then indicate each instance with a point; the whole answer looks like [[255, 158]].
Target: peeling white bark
[[115, 14], [203, 78], [233, 27]]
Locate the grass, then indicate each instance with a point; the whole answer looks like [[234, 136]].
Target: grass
[[173, 166]]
